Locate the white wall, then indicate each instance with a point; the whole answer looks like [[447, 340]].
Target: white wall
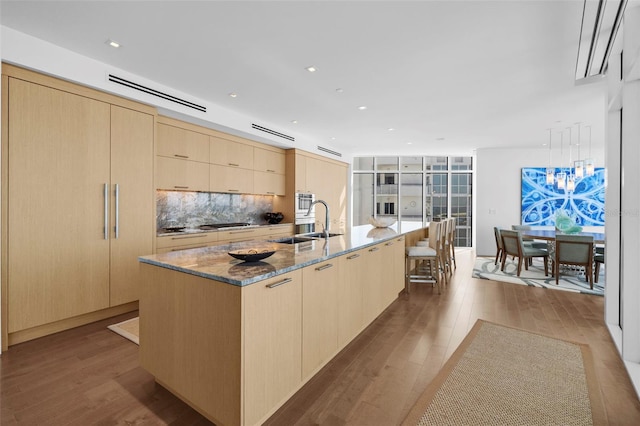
[[29, 52], [497, 191]]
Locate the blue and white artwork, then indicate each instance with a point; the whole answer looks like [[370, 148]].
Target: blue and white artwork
[[540, 201]]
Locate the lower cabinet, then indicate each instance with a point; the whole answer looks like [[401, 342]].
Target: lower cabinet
[[272, 312], [351, 295], [319, 315], [392, 271], [236, 354]]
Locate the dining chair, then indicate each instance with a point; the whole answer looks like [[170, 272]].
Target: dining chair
[[514, 246], [574, 250], [598, 259], [529, 241], [499, 249]]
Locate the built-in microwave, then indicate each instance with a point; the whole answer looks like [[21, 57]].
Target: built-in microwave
[[303, 202]]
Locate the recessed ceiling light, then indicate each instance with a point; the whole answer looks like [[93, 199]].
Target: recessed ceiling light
[[233, 95], [409, 143], [339, 90], [294, 121], [362, 108], [391, 129], [333, 138], [112, 43], [311, 68]]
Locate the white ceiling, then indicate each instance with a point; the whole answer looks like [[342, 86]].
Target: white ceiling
[[448, 76]]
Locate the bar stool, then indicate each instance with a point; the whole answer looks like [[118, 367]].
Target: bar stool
[[427, 254]]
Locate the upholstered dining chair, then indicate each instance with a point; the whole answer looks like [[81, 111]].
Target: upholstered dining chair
[[598, 259], [514, 246], [529, 241], [574, 250], [499, 249]]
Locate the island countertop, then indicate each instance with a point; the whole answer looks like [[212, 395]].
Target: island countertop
[[215, 263]]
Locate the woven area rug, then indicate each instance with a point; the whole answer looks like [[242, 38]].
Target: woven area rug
[[129, 329], [569, 280], [505, 376]]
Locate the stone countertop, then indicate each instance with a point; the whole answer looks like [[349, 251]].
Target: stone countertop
[[190, 231], [215, 263]]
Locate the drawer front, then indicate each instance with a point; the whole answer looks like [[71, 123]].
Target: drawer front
[[171, 241]]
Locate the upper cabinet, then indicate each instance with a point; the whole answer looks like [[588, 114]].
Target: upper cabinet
[[229, 153], [194, 158], [268, 161], [174, 142]]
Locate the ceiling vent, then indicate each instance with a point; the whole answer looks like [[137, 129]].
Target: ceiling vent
[[272, 132], [600, 22], [330, 151], [150, 91]]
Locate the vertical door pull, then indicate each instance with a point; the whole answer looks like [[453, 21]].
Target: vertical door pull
[[117, 229], [106, 211]]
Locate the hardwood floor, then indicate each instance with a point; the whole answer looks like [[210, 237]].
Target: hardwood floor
[[91, 376]]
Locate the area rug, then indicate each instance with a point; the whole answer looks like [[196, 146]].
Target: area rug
[[129, 329], [505, 376], [569, 280]]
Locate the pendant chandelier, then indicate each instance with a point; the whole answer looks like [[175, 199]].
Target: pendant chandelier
[[561, 176], [550, 169], [578, 166], [589, 164], [571, 178]]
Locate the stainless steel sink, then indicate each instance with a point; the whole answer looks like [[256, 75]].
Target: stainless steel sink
[[294, 240], [321, 235]]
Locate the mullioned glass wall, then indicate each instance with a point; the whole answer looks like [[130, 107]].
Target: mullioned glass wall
[[415, 189]]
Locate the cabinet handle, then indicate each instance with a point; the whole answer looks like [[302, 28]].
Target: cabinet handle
[[181, 187], [323, 267], [233, 190], [353, 256], [273, 285], [388, 244], [271, 193], [271, 171], [234, 164], [180, 156], [117, 228], [194, 247], [374, 249], [241, 232], [106, 211], [186, 238]]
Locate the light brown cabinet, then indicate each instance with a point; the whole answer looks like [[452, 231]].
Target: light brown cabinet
[[268, 161], [230, 179], [181, 175], [79, 204], [272, 312], [271, 336], [230, 154], [174, 142], [266, 183], [319, 315], [167, 243], [353, 275]]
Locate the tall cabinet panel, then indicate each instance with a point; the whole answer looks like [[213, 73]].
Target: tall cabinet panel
[[132, 190], [58, 250]]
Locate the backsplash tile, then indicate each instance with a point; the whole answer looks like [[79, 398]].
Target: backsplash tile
[[192, 209]]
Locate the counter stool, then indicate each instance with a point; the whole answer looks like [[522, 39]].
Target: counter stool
[[425, 253]]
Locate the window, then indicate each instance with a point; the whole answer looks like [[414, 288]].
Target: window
[[415, 189]]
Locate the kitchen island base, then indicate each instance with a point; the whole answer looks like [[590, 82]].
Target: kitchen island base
[[237, 353]]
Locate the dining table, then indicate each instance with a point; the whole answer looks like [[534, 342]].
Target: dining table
[[550, 235]]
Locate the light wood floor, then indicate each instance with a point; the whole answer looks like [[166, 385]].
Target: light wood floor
[[90, 375]]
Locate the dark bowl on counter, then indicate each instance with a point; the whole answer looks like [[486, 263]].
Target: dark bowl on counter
[[274, 218]]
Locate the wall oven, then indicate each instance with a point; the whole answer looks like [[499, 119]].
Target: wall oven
[[305, 224]]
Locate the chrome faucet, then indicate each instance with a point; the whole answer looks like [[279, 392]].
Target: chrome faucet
[[326, 219]]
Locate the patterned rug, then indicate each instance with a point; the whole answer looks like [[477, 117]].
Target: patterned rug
[[505, 376], [570, 280]]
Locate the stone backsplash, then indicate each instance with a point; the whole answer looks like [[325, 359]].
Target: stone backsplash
[[192, 209]]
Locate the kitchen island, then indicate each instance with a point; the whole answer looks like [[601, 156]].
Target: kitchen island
[[236, 340]]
